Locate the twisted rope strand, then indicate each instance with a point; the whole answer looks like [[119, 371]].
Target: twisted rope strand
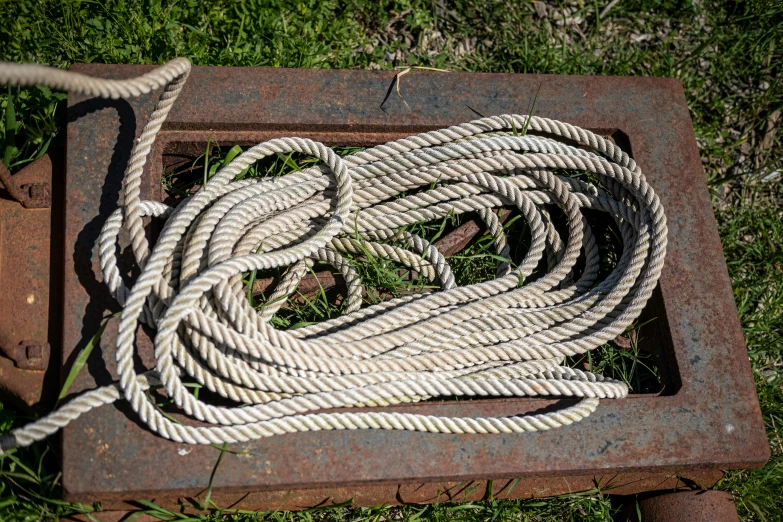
[[505, 337]]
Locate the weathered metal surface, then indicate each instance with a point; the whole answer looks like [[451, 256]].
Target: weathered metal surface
[[706, 418], [419, 493], [693, 506], [26, 287]]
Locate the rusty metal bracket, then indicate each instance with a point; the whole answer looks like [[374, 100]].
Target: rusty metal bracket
[[31, 355], [30, 195], [26, 279]]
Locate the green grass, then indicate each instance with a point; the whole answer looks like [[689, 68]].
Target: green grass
[[752, 236], [728, 55]]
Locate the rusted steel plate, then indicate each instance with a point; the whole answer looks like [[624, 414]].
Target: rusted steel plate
[[27, 291], [706, 418]]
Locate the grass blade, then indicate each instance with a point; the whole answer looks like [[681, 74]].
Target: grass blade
[[137, 514], [233, 152], [212, 475], [10, 130], [82, 359], [532, 109], [161, 512]]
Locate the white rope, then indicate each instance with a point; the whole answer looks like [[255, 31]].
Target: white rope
[[498, 338]]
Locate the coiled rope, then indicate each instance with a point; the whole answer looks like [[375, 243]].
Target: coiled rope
[[497, 338]]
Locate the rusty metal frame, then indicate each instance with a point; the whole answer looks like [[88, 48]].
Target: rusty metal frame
[[707, 419]]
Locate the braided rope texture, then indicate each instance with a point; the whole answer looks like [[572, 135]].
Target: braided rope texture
[[506, 337]]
